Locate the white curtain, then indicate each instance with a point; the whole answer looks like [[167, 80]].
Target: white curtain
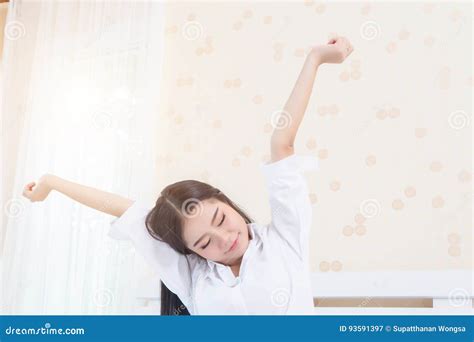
[[80, 99]]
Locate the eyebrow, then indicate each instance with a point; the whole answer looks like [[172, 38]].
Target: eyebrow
[[212, 223]]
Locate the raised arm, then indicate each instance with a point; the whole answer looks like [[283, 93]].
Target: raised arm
[[283, 137], [97, 199]]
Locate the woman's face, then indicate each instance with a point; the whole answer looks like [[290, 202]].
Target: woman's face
[[216, 232]]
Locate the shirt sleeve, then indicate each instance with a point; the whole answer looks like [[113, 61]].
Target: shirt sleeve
[[291, 211], [172, 267]]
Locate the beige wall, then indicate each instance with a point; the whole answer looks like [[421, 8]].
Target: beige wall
[[386, 125]]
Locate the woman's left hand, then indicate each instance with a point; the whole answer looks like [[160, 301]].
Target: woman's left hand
[[38, 191], [335, 51]]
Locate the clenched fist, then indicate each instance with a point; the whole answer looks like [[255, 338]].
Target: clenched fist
[[335, 51], [36, 192]]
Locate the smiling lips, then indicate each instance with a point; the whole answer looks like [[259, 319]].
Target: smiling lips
[[234, 244]]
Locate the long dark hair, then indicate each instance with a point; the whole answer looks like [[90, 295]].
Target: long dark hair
[[176, 202]]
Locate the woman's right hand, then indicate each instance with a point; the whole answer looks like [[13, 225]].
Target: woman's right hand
[[336, 50], [36, 192]]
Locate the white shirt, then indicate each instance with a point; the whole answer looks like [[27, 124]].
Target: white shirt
[[274, 276]]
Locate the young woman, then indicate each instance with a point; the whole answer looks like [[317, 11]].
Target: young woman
[[212, 258]]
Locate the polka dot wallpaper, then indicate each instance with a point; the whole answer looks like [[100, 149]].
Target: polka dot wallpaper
[[391, 126]]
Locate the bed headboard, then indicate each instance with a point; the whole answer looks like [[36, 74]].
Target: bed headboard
[[451, 291]]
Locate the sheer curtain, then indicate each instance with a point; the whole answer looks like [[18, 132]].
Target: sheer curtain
[[80, 99]]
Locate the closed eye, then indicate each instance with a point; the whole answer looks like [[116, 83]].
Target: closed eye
[[222, 221], [204, 247], [223, 218]]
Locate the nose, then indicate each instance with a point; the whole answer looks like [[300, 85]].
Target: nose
[[226, 240]]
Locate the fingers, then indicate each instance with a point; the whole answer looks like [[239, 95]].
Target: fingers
[[340, 40], [345, 45], [30, 185], [28, 189], [349, 48], [343, 41]]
